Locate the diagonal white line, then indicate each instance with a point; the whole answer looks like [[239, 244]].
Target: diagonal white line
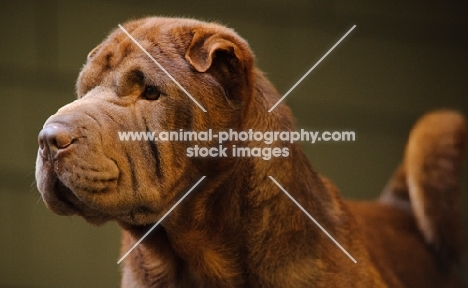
[[162, 68], [315, 221], [160, 220], [310, 70]]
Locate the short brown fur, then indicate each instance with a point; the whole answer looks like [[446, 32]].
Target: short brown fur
[[237, 228]]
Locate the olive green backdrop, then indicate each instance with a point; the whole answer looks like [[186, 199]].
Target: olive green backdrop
[[403, 59]]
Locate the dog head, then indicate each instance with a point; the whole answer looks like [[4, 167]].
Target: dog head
[[84, 168]]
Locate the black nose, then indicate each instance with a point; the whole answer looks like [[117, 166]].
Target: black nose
[[53, 138]]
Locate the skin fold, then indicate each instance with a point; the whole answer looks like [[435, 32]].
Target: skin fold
[[237, 228]]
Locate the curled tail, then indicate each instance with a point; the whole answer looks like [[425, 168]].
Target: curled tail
[[428, 181]]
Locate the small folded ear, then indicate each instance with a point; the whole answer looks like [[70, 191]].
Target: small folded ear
[[224, 55], [203, 51]]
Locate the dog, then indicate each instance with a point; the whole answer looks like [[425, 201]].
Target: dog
[[237, 228]]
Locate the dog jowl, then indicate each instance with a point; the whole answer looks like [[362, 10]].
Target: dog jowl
[[237, 228]]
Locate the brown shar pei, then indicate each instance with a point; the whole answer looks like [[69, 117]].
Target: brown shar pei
[[237, 228]]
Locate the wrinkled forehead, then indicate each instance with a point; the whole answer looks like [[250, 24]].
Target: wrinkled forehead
[[167, 33], [124, 52], [129, 48], [136, 38]]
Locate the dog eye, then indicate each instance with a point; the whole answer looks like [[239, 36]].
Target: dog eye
[[151, 93]]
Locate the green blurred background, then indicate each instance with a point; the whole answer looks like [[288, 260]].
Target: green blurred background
[[403, 59]]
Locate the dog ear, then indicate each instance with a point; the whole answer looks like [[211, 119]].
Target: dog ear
[[206, 49], [224, 55]]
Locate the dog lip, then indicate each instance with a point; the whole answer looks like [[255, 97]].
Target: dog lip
[[63, 193], [63, 201]]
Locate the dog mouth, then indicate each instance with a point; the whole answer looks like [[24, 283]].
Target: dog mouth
[[61, 200], [66, 197]]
